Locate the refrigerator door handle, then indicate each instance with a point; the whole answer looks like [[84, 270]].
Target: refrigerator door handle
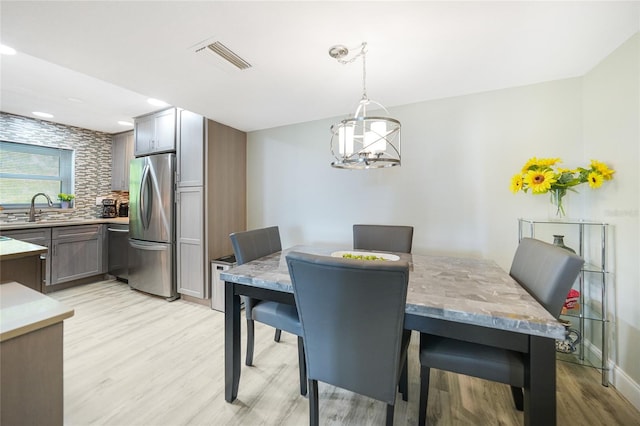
[[144, 213]]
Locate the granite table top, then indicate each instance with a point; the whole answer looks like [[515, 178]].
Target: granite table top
[[465, 290]]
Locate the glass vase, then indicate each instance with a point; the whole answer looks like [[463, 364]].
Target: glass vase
[[556, 201]]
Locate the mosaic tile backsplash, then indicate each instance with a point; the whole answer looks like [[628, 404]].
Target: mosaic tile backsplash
[[92, 164]]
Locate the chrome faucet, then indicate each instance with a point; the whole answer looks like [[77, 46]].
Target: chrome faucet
[[32, 210]]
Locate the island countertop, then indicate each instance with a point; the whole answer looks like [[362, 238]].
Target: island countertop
[[13, 249], [23, 310]]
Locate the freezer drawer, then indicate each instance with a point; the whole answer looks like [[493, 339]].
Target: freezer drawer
[[152, 269]]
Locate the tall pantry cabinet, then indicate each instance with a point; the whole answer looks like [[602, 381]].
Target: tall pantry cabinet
[[210, 197]]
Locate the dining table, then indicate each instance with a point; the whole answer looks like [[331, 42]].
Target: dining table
[[459, 297]]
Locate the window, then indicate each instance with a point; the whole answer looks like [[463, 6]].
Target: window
[[26, 170]]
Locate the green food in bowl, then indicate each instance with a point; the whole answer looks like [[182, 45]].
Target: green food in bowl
[[362, 257]]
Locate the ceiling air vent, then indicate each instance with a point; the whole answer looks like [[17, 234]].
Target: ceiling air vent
[[225, 53]]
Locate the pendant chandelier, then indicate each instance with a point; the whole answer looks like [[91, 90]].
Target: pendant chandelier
[[363, 141]]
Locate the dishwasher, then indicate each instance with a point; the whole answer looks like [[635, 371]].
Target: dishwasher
[[118, 251]]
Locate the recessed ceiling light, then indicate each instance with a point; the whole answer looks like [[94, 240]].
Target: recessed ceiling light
[[42, 114], [125, 123], [6, 50], [157, 102]]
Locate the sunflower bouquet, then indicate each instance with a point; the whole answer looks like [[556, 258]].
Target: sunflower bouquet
[[542, 175]]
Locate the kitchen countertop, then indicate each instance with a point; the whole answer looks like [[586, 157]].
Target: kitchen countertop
[[23, 310], [13, 249], [54, 223]]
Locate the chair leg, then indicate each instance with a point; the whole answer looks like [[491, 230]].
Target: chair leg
[[518, 398], [302, 367], [250, 339], [314, 414], [424, 395], [277, 336], [390, 410], [404, 382]]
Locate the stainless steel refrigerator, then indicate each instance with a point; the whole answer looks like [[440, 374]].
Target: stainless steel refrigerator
[[152, 245]]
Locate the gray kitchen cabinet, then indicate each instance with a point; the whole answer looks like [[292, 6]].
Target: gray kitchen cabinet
[[190, 246], [155, 133], [76, 252], [211, 198], [122, 152], [41, 237], [190, 149], [191, 275]]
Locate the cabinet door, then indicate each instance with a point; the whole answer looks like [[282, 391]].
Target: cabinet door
[[122, 153], [41, 237], [144, 133], [191, 274], [190, 149], [165, 131], [77, 252], [128, 156]]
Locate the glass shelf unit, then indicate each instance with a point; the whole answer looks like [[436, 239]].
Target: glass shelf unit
[[590, 318]]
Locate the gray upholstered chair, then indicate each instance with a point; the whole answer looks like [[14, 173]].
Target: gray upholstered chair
[[547, 272], [352, 315], [251, 245], [383, 237]]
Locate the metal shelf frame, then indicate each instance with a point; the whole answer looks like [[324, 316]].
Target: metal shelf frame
[[595, 266]]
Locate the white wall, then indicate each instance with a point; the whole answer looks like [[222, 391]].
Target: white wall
[[612, 131], [458, 156], [453, 186]]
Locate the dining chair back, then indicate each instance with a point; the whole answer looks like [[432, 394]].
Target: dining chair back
[[395, 238], [352, 316], [544, 273], [547, 272], [252, 245]]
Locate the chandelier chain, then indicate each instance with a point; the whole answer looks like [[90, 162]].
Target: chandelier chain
[[363, 53]]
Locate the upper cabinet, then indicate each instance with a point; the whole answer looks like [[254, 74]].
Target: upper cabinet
[[155, 133], [122, 153], [191, 143]]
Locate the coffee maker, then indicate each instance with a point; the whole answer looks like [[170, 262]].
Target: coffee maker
[[123, 209], [109, 207]]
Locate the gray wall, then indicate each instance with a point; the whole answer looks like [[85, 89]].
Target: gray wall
[[92, 161], [453, 186]]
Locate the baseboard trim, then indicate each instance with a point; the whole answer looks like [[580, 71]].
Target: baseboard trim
[[624, 384], [618, 378]]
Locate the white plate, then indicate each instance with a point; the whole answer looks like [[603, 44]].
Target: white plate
[[385, 256]]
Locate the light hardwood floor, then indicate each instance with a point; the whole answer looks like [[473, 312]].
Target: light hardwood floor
[[134, 359]]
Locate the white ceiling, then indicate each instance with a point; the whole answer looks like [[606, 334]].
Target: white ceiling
[[109, 56]]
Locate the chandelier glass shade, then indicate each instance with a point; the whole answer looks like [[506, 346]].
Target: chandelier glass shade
[[364, 141]]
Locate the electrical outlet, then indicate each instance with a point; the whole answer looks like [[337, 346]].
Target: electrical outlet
[[98, 201]]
